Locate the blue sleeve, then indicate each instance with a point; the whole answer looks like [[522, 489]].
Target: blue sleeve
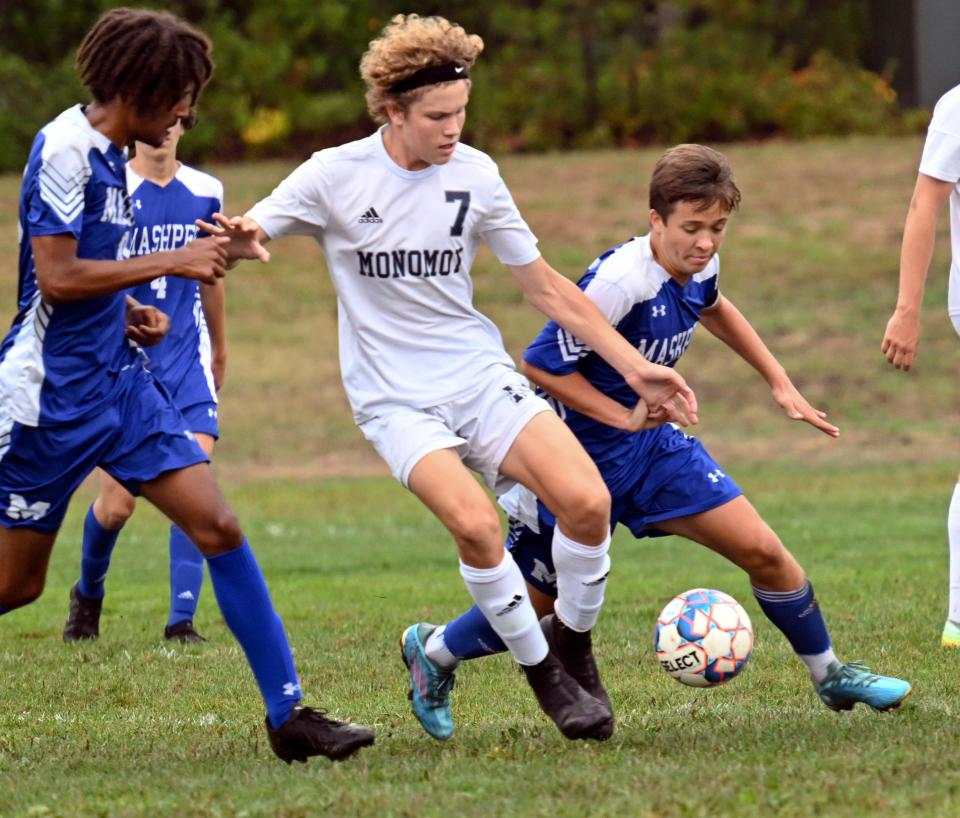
[[555, 350], [711, 292], [56, 200]]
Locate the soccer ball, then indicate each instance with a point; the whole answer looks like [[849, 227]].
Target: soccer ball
[[703, 638]]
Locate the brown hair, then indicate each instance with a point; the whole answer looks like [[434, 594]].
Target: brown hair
[[692, 173], [407, 44], [151, 58]]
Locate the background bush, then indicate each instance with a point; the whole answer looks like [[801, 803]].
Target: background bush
[[556, 73]]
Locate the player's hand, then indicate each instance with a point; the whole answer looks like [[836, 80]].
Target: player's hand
[[146, 325], [201, 260], [640, 418], [901, 339], [798, 408], [242, 236], [666, 394]]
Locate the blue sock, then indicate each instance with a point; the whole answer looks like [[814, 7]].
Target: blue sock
[[186, 576], [797, 615], [248, 611], [98, 543], [470, 636]]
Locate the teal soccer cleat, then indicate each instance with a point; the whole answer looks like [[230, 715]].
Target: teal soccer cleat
[[430, 684], [853, 682]]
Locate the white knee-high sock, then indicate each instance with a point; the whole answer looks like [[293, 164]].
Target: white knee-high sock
[[581, 580], [953, 534], [502, 595]]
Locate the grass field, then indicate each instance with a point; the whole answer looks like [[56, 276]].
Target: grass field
[[129, 727]]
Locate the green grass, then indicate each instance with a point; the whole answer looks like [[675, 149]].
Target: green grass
[[129, 727]]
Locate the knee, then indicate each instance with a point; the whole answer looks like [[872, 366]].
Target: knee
[[479, 536], [218, 533], [114, 509], [768, 558], [585, 516], [22, 591]]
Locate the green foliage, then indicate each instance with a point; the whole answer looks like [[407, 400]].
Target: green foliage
[[555, 73], [831, 97]]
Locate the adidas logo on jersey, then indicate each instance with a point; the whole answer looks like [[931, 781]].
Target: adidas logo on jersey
[[371, 217]]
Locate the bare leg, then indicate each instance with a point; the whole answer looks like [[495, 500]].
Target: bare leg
[[24, 557], [736, 531], [447, 488]]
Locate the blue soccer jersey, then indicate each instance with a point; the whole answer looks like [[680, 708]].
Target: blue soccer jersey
[[653, 312], [165, 220], [62, 362]]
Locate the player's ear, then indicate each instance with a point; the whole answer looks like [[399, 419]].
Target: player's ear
[[655, 221], [395, 113]]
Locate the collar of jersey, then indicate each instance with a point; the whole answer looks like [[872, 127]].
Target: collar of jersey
[[392, 166], [102, 141], [140, 180]]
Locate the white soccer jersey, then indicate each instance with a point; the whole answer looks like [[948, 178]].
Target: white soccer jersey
[[941, 160], [399, 245]]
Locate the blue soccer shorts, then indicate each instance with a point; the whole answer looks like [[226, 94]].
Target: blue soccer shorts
[[677, 478], [136, 436]]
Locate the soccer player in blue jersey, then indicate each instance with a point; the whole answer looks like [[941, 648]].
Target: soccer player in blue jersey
[[655, 290], [168, 197], [75, 393]]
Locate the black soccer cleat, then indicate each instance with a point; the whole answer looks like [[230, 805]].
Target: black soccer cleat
[[573, 710], [183, 632], [309, 732], [575, 651], [83, 618]]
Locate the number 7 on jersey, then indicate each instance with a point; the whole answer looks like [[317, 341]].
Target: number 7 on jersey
[[462, 196]]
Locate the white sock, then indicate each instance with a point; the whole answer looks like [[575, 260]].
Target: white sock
[[953, 535], [502, 595], [437, 650], [581, 580], [819, 663]]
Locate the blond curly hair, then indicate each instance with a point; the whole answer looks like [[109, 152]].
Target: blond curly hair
[[408, 43]]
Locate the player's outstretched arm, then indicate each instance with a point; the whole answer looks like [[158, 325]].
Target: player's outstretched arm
[[560, 299], [902, 336], [145, 323], [61, 276], [728, 324], [578, 393], [245, 238], [213, 303]]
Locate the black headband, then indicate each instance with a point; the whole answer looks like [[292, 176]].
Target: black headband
[[431, 75]]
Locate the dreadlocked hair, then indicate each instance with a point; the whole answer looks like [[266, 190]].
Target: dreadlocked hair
[[151, 58]]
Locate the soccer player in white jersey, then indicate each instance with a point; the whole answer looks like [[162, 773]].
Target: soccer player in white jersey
[[655, 290], [400, 215], [74, 392], [938, 181], [190, 362]]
